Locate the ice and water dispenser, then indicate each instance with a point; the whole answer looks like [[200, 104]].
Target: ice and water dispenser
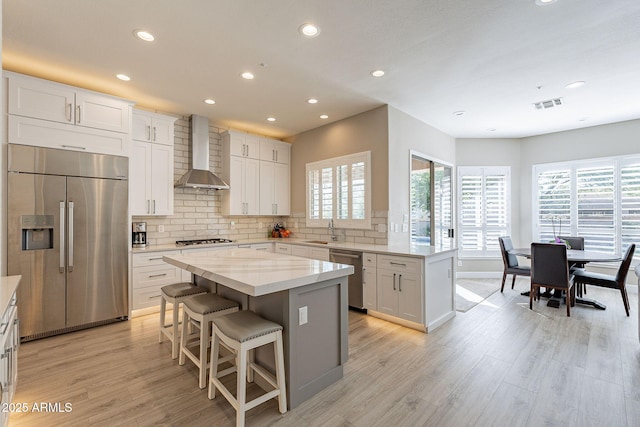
[[37, 232]]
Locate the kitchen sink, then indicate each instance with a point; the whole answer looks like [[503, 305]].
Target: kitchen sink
[[322, 242]]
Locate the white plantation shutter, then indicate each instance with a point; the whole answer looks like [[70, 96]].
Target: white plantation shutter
[[598, 199], [485, 213], [339, 189]]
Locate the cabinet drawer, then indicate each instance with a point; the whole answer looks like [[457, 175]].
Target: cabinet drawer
[[283, 248], [369, 260], [144, 277], [146, 297], [398, 263], [319, 253], [153, 258]]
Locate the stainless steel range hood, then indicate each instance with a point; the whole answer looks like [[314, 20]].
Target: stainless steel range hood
[[198, 175]]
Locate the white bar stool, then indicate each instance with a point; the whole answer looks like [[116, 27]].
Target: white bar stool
[[242, 332], [174, 294], [203, 309]]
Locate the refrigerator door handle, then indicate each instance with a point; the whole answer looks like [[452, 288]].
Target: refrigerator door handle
[[61, 237], [70, 237]]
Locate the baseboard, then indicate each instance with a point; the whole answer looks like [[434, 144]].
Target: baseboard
[[479, 274]]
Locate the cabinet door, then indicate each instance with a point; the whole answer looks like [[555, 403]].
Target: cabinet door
[[252, 186], [140, 178], [162, 131], [281, 189], [387, 294], [409, 297], [267, 188], [369, 280], [141, 127], [321, 254], [41, 100], [235, 193], [162, 179], [252, 148], [282, 152], [102, 112]]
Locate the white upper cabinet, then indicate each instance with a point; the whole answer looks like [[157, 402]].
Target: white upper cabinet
[[275, 151], [241, 170], [47, 114], [42, 99], [152, 127], [274, 177], [151, 166]]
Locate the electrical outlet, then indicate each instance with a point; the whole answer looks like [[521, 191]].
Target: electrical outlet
[[233, 225], [303, 318], [161, 229], [459, 263]]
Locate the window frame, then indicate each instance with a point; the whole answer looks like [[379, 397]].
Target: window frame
[[485, 229], [334, 163]]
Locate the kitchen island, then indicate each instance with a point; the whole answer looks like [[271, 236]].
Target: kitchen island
[[307, 297]]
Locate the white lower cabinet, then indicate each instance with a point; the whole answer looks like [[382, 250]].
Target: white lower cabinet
[[282, 248], [369, 281], [321, 254], [399, 287], [149, 275]]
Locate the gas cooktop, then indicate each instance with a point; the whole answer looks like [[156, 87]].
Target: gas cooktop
[[202, 241]]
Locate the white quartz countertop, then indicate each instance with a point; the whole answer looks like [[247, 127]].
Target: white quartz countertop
[[8, 286], [258, 273], [407, 249]]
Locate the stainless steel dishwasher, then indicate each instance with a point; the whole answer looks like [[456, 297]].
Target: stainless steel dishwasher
[[354, 258]]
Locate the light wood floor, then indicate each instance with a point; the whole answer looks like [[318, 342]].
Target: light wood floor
[[498, 364]]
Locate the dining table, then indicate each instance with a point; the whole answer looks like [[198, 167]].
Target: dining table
[[575, 256]]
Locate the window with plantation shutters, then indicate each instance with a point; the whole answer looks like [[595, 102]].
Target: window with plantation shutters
[[484, 209], [339, 189], [598, 199]]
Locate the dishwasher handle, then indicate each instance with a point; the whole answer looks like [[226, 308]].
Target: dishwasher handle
[[346, 255]]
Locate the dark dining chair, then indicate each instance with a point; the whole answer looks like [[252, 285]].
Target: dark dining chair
[[510, 262], [585, 277], [549, 269], [576, 243]]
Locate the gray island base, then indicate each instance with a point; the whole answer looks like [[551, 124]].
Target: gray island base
[[307, 297]]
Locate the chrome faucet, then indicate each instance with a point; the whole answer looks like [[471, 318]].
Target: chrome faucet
[[332, 230]]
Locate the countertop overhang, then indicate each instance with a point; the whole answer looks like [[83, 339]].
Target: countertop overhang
[[258, 273]]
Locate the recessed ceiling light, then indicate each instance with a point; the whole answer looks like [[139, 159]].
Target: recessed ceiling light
[[247, 75], [459, 113], [574, 85], [544, 2], [144, 35], [123, 77], [324, 116], [209, 101], [271, 119], [312, 101], [309, 30], [377, 73]]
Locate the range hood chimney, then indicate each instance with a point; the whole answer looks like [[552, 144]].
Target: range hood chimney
[[198, 175]]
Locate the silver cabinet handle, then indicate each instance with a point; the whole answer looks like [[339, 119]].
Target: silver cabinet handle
[[394, 281], [155, 259], [155, 296], [276, 155], [154, 205], [148, 133], [62, 226], [247, 150], [74, 146], [70, 260], [154, 133], [400, 282], [397, 263], [261, 249], [78, 114], [157, 275], [273, 155], [70, 110], [148, 205]]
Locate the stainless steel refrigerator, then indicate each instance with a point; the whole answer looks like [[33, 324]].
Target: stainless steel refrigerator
[[68, 238]]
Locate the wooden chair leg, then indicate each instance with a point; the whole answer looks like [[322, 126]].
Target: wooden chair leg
[[532, 292], [175, 343], [163, 306], [625, 299], [513, 282], [504, 278]]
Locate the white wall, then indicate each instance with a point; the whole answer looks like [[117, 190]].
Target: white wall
[[598, 141], [407, 133]]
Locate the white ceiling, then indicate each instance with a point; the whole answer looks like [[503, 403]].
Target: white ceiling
[[492, 59]]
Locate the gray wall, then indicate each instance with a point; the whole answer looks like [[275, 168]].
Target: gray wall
[[363, 132]]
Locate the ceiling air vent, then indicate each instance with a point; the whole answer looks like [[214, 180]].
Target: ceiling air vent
[[549, 103]]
